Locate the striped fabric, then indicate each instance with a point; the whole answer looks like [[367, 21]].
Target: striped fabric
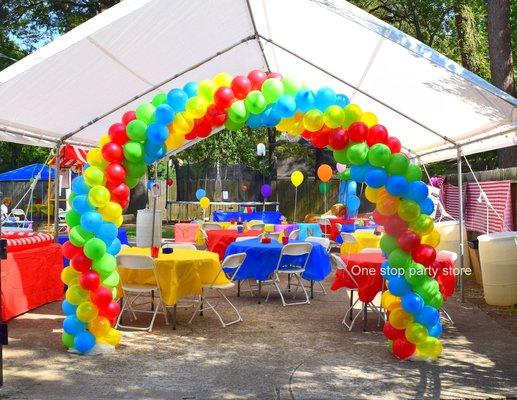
[[71, 156], [26, 240], [480, 217]]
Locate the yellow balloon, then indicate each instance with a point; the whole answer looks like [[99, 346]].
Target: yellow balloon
[[111, 212], [430, 348], [352, 114], [68, 274], [399, 319], [388, 298], [103, 140], [223, 79], [334, 116], [99, 196], [112, 337], [313, 120], [285, 124], [119, 221], [99, 326], [175, 139], [369, 118], [183, 123], [297, 128], [371, 194], [94, 176], [75, 294], [296, 178], [196, 107], [387, 205], [416, 333], [206, 90], [432, 239], [94, 158], [204, 202], [87, 311]]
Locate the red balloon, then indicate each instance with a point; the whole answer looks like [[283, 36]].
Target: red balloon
[[357, 131], [101, 297], [274, 75], [338, 139], [192, 134], [128, 117], [81, 263], [89, 280], [394, 144], [392, 333], [395, 226], [378, 218], [204, 129], [112, 152], [115, 174], [424, 254], [320, 138], [169, 182], [69, 250], [257, 77], [241, 86], [117, 133], [408, 241], [447, 283], [215, 116], [402, 348], [377, 134], [112, 310], [119, 193], [224, 97], [306, 135]]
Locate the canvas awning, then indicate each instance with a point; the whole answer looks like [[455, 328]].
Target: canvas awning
[[71, 156], [28, 173], [73, 88]]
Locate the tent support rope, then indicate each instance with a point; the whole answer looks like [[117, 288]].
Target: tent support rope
[[462, 222]]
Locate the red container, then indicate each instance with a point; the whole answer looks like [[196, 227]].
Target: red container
[[285, 240], [266, 240], [155, 250]]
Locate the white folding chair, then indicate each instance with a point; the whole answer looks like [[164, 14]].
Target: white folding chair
[[174, 246], [256, 226], [244, 238], [211, 226], [132, 291], [326, 226], [230, 266], [272, 235], [446, 255], [349, 319], [294, 234], [18, 214], [296, 250], [371, 250], [348, 238]]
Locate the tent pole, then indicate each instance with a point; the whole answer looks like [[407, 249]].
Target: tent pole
[[462, 224], [257, 35], [56, 193]]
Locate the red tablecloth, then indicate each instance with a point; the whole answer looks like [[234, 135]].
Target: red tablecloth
[[31, 278], [369, 283], [332, 229], [219, 240]]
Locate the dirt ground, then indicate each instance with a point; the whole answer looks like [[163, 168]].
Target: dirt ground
[[299, 352]]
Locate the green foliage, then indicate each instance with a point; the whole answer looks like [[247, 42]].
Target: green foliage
[[14, 155]]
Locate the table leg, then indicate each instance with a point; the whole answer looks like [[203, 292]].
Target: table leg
[[238, 288], [351, 304], [312, 289], [259, 291], [288, 282], [152, 300], [201, 309], [365, 316], [174, 316]]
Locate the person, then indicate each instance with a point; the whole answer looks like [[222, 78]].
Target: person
[[6, 202]]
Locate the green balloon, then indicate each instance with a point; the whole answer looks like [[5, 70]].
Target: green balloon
[[112, 280], [324, 187], [291, 85], [105, 264], [135, 169], [73, 218], [67, 339], [114, 293], [398, 164], [436, 301], [232, 125], [238, 112], [340, 156], [357, 153], [145, 112], [70, 199], [413, 173], [94, 248], [136, 131], [272, 89], [347, 174], [78, 236], [379, 155], [255, 102], [131, 182], [342, 176], [388, 243], [399, 259], [415, 274], [159, 98], [133, 152]]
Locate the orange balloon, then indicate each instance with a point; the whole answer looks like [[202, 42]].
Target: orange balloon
[[387, 205], [324, 172]]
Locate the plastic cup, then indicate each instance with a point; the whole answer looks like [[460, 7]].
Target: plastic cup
[[155, 250]]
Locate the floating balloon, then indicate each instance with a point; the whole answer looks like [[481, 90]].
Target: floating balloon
[[266, 190], [296, 178], [200, 193], [324, 172], [204, 202]]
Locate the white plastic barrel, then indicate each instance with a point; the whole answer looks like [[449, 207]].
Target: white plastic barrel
[[144, 226], [450, 240], [498, 258]]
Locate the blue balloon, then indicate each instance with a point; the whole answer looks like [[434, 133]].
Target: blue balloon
[[399, 286], [376, 178], [162, 152], [79, 186], [190, 89], [428, 316], [200, 193], [91, 220], [177, 99], [81, 204], [342, 100], [351, 188], [152, 148], [396, 185], [72, 325], [114, 247], [270, 118], [412, 302], [68, 308], [417, 191], [358, 172], [388, 272], [107, 232], [285, 106], [157, 133], [436, 330], [84, 342], [352, 203], [325, 97], [254, 121], [149, 159], [427, 206], [164, 114], [150, 183], [305, 99]]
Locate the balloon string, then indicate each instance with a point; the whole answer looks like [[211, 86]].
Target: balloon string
[[295, 201]]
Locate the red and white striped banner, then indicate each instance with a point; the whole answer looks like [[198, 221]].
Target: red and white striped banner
[[71, 156], [26, 240]]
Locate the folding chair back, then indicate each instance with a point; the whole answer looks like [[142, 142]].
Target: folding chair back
[[256, 226], [348, 237], [19, 214], [244, 238], [272, 235], [135, 261], [211, 226], [187, 246], [325, 242], [232, 264], [294, 234], [371, 250], [337, 262]]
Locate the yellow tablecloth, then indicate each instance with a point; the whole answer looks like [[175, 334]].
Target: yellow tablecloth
[[365, 239], [180, 273]]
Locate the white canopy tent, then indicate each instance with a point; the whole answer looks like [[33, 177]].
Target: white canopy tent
[[74, 88]]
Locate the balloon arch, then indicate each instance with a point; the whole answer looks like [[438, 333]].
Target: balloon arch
[[414, 297]]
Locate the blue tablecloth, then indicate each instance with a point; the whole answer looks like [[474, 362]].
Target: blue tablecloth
[[309, 229], [262, 259], [269, 217]]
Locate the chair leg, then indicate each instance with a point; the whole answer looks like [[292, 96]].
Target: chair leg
[[322, 288], [239, 318]]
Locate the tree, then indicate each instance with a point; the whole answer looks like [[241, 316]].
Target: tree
[[466, 32]]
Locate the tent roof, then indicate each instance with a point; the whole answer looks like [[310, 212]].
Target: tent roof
[[75, 87], [27, 173]]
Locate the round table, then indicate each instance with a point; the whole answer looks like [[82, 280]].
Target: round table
[[219, 240]]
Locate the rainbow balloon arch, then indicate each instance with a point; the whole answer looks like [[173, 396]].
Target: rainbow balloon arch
[[414, 296]]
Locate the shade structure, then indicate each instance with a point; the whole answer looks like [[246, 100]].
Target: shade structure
[[27, 173], [71, 156], [74, 88]]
